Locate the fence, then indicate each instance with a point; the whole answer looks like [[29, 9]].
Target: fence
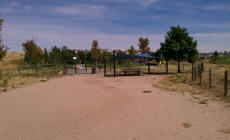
[[215, 79], [24, 71], [142, 68]]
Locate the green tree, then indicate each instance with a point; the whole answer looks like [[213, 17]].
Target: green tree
[[55, 55], [180, 46], [66, 55], [132, 50], [3, 48], [144, 45], [82, 55], [33, 53], [95, 51], [45, 56], [215, 54]]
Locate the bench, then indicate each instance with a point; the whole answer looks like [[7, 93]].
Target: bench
[[131, 71]]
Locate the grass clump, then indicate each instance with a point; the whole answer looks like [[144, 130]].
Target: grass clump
[[4, 89], [147, 91], [187, 125], [203, 102], [43, 80]]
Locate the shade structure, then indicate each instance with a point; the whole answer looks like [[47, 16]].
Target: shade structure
[[141, 56]]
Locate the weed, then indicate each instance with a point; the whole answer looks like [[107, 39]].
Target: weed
[[5, 83], [22, 83], [4, 89], [147, 91], [203, 102], [187, 125]]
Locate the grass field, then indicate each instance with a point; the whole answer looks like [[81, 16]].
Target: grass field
[[14, 74]]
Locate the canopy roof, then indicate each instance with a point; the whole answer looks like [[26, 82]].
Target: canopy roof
[[140, 56]]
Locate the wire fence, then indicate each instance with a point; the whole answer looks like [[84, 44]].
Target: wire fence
[[212, 78]]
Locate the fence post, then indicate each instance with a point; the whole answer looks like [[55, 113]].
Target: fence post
[[0, 74], [148, 67], [114, 64], [192, 73], [210, 78], [225, 83], [200, 71], [104, 67], [75, 68], [86, 69], [195, 73]]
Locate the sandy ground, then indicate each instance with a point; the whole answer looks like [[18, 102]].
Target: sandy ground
[[91, 107]]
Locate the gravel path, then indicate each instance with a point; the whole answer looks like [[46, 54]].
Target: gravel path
[[91, 107]]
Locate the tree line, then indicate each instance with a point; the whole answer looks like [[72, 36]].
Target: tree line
[[178, 46]]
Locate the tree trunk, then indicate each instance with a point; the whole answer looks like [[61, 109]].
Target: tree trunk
[[179, 71]]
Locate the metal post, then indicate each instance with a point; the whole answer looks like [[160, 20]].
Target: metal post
[[114, 64], [225, 83], [148, 68]]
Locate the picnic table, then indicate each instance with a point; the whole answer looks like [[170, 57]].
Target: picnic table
[[127, 71]]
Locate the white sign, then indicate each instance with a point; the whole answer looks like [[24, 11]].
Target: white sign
[[74, 58]]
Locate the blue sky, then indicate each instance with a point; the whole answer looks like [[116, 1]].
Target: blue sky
[[116, 24]]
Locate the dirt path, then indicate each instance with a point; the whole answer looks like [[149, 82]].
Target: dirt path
[[91, 107]]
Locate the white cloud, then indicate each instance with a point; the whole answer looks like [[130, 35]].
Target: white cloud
[[217, 7], [81, 10], [79, 38], [141, 2], [144, 2], [9, 7], [212, 35]]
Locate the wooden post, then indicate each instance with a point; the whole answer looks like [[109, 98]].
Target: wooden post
[[167, 66], [75, 66], [114, 64], [104, 67], [86, 69], [1, 74], [210, 78], [200, 71], [192, 73], [195, 73], [225, 83]]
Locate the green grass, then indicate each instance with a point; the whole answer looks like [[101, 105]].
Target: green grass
[[221, 60]]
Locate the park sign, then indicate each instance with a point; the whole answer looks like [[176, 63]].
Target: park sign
[[74, 58]]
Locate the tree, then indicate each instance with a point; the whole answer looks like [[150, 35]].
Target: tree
[[3, 48], [215, 54], [66, 55], [33, 53], [132, 50], [180, 46], [82, 55], [45, 56], [143, 45], [95, 51], [55, 55]]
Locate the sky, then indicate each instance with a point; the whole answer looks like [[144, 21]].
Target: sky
[[116, 24]]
